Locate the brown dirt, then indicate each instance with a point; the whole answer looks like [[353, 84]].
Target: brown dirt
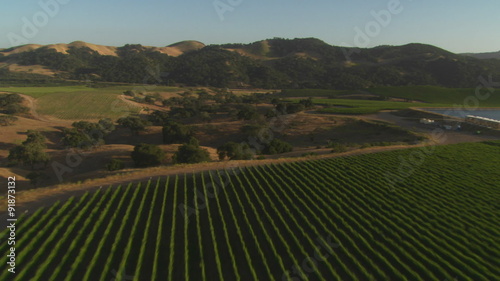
[[450, 137], [35, 198]]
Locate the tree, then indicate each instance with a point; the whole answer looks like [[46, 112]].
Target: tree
[[174, 132], [34, 137], [149, 100], [147, 155], [159, 118], [191, 152], [16, 108], [115, 165], [307, 103], [6, 99], [277, 146], [205, 117], [36, 178], [247, 112], [134, 123], [235, 151], [31, 151], [85, 134], [107, 126]]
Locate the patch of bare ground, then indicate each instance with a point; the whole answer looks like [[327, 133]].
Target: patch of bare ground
[[411, 120]]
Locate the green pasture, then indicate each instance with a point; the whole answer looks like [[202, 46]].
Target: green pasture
[[84, 103]]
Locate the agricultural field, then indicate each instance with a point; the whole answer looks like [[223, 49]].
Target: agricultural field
[[366, 217], [84, 106], [438, 95], [423, 96], [81, 102], [358, 107]]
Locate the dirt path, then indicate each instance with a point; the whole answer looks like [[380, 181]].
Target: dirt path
[[30, 200], [32, 104]]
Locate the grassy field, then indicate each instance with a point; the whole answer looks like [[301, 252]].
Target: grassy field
[[295, 93], [429, 96], [438, 95], [348, 106], [83, 103], [353, 218]]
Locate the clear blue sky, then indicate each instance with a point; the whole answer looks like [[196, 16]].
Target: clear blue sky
[[455, 25]]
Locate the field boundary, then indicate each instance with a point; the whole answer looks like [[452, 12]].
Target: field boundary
[[36, 198]]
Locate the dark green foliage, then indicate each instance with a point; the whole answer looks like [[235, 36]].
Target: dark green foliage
[[277, 146], [115, 165], [159, 118], [191, 153], [34, 137], [36, 178], [11, 104], [15, 109], [147, 155], [149, 99], [307, 103], [31, 151], [129, 93], [174, 132], [290, 108], [106, 125], [337, 147], [6, 99], [235, 151], [247, 112], [85, 134], [135, 123]]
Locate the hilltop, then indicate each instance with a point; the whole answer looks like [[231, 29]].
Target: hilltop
[[271, 63], [171, 50]]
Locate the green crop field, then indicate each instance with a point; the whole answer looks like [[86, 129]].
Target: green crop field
[[367, 217], [347, 106], [295, 93], [83, 103], [428, 96], [441, 95]]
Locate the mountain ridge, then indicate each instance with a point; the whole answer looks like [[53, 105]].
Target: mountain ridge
[[270, 63]]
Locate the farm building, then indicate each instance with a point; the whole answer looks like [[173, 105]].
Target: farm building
[[483, 121]]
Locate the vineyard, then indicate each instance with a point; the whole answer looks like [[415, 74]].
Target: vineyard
[[355, 218]]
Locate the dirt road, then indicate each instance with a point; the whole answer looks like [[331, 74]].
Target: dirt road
[[30, 200]]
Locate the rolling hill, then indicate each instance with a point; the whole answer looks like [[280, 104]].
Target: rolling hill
[[271, 63], [488, 55]]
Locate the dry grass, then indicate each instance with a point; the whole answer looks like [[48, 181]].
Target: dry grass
[[46, 196]]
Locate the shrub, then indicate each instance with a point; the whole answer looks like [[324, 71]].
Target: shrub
[[159, 118], [134, 123], [191, 153], [277, 146], [115, 165], [147, 155], [16, 108], [174, 132], [235, 151], [247, 113], [36, 178]]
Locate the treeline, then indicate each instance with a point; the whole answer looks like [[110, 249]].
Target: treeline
[[281, 63]]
